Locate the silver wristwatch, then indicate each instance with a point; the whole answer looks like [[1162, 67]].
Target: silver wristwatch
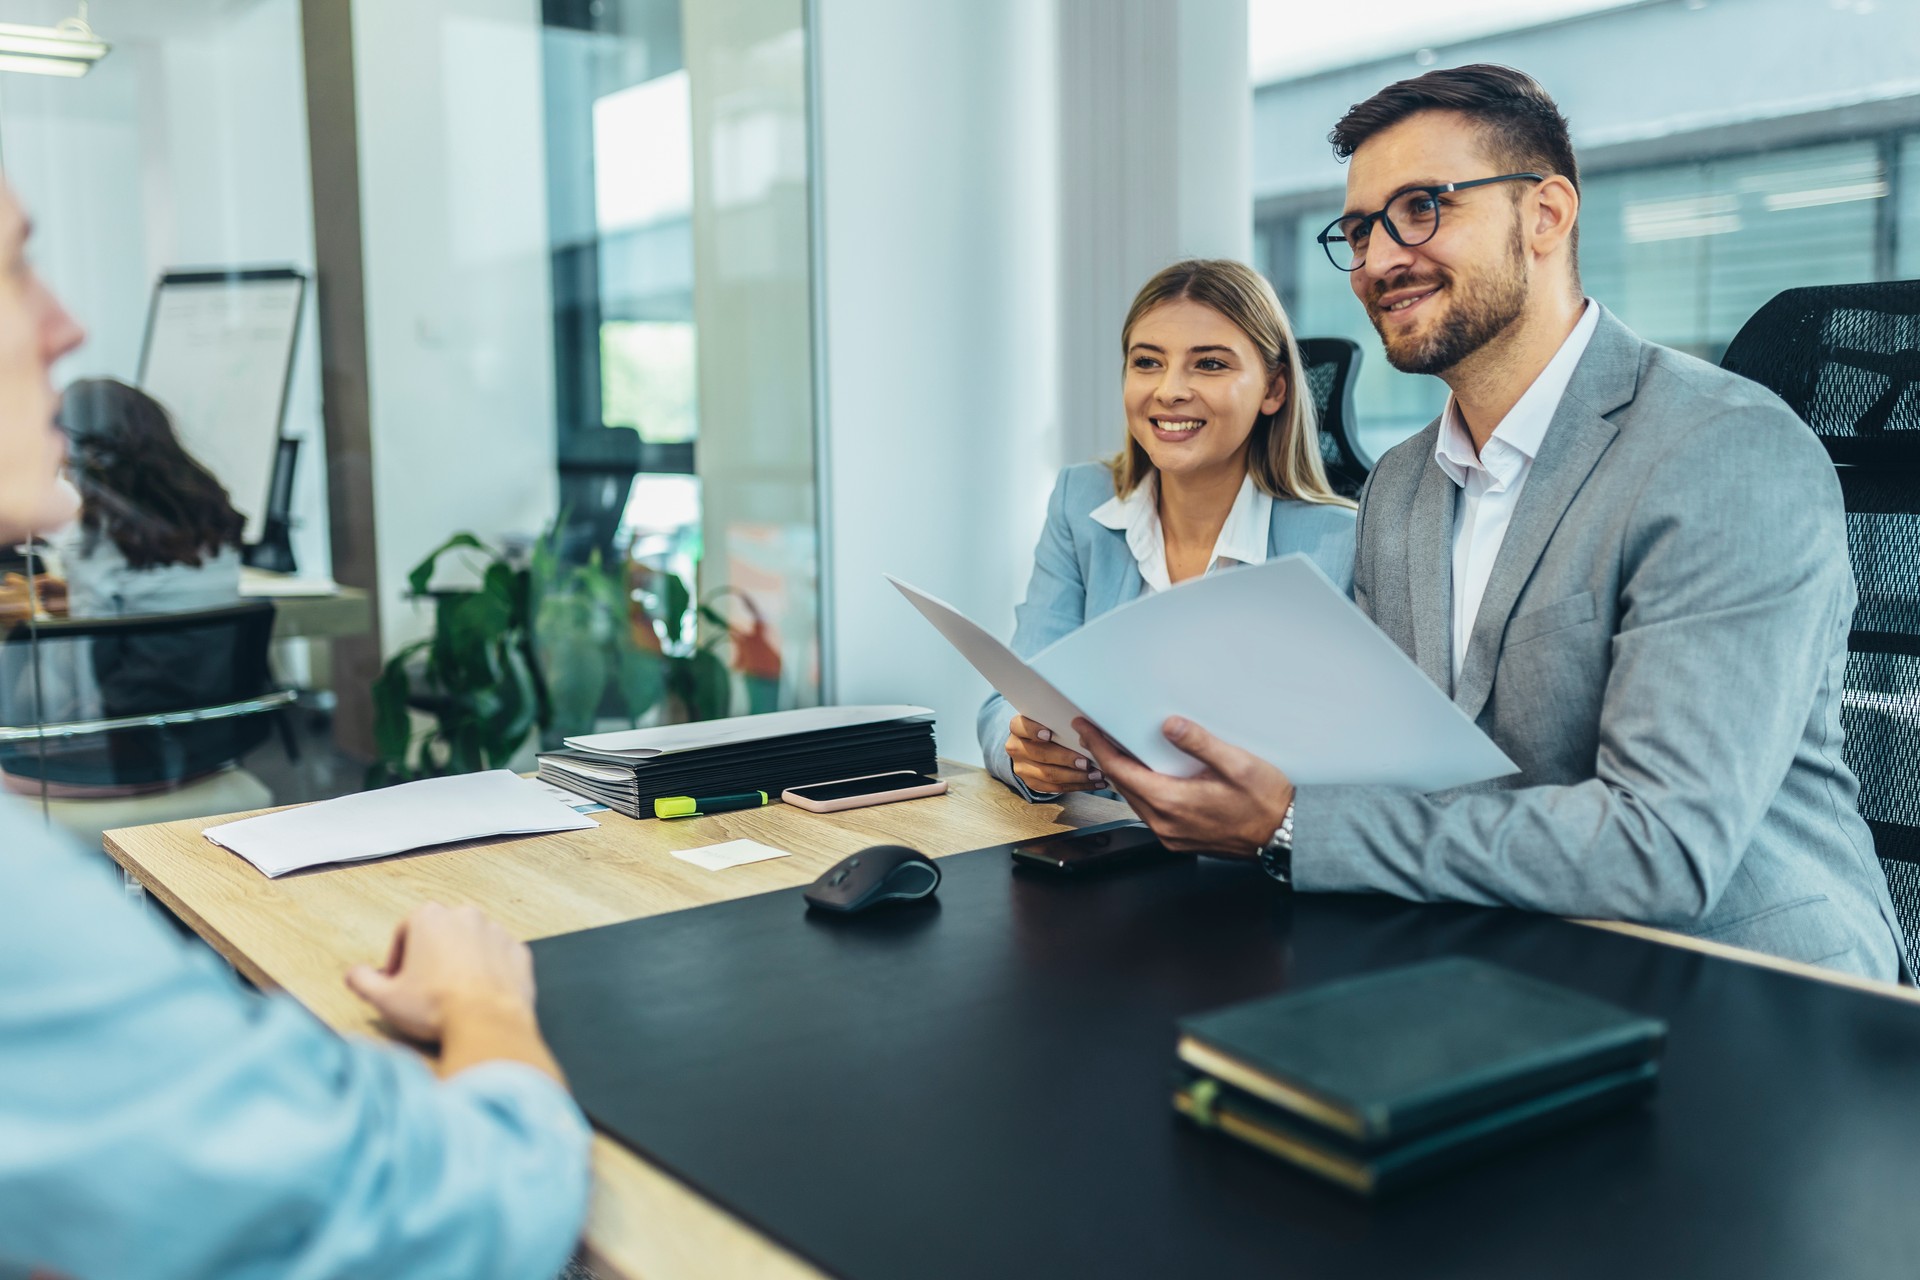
[[1276, 855]]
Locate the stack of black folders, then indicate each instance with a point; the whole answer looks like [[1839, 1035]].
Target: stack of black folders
[[629, 770], [1381, 1081]]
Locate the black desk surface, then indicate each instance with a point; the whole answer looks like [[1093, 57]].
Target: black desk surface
[[980, 1089]]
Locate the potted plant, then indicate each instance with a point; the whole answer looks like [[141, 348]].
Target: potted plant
[[539, 646]]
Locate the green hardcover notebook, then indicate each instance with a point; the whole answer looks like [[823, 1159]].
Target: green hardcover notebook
[[1385, 1057], [1213, 1105]]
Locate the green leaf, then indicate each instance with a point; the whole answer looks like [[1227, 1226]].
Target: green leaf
[[471, 624], [423, 572], [392, 725], [575, 668], [709, 689], [763, 695], [518, 707], [464, 754], [610, 593], [642, 675], [673, 615]]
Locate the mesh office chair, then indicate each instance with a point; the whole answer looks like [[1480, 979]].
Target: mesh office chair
[[161, 704], [597, 470], [1331, 364], [1847, 359]]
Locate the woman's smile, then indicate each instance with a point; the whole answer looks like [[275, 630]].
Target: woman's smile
[[1175, 427]]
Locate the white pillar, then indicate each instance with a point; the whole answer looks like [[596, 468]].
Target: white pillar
[[997, 178], [1155, 151]]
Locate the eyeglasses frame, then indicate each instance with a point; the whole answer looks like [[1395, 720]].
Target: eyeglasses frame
[[1380, 215]]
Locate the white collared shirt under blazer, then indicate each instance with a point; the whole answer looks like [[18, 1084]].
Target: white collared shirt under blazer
[[1491, 480], [1242, 540]]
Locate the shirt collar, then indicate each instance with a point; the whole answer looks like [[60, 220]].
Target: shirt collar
[[1516, 441], [1244, 537], [1245, 534], [1137, 515]]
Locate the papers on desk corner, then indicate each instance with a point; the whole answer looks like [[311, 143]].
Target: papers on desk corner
[[414, 815], [1272, 658]]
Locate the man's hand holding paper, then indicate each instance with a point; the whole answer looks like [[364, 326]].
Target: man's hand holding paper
[[1229, 809]]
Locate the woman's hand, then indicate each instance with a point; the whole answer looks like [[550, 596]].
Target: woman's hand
[[1045, 765]]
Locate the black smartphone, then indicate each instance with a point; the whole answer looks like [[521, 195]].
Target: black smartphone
[[1095, 849]]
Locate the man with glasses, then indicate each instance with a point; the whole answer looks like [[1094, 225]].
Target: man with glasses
[[1628, 566]]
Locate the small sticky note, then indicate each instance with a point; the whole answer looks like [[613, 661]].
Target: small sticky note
[[733, 853]]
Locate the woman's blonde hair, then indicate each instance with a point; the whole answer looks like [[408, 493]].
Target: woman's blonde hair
[[1283, 453]]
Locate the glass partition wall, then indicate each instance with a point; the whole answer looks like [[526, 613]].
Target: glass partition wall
[[535, 453]]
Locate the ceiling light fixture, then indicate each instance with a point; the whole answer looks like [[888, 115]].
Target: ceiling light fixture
[[67, 48]]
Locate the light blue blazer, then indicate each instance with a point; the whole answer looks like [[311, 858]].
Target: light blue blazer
[[1082, 569]]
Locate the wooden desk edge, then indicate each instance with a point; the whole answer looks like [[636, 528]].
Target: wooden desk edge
[[1758, 959]]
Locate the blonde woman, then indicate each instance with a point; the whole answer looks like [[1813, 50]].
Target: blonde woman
[[1221, 467]]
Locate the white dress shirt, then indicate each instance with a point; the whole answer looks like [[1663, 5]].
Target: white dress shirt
[[1490, 480], [1242, 540]]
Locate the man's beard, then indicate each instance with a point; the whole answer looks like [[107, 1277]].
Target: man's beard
[[1481, 311]]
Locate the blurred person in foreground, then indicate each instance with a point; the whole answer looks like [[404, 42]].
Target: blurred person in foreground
[[159, 1120]]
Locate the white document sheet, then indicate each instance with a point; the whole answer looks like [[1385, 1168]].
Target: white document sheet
[[413, 815], [643, 744], [1272, 658]]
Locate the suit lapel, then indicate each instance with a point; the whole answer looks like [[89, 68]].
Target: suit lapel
[[1579, 433], [1430, 573], [1115, 575]]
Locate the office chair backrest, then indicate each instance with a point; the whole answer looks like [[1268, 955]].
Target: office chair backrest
[[1846, 358], [1331, 364], [597, 469], [200, 672]]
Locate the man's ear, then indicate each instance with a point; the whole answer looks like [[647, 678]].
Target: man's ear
[[1555, 206]]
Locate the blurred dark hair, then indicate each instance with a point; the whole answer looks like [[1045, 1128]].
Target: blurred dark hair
[[137, 485], [1519, 122]]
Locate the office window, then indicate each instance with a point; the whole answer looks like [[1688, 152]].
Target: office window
[[677, 184]]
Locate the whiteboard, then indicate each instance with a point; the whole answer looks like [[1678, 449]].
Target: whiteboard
[[218, 356]]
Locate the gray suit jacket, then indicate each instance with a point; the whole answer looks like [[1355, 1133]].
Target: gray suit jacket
[[1660, 649]]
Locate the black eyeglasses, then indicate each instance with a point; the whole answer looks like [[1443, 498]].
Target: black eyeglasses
[[1412, 218]]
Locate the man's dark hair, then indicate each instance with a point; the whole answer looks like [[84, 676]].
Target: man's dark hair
[[1520, 124]]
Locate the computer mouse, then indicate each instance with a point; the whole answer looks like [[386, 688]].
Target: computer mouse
[[884, 873]]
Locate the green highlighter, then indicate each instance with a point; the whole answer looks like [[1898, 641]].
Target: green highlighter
[[698, 806]]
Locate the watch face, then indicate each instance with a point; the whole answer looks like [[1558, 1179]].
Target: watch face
[[1276, 857]]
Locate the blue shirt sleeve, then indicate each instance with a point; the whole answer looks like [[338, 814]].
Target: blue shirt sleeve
[[157, 1120], [1056, 606]]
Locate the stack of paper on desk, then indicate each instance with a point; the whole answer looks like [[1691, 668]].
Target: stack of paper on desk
[[414, 815], [771, 752], [1272, 658]]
